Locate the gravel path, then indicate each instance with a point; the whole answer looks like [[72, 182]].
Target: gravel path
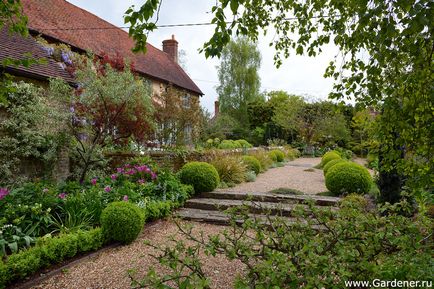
[[109, 268], [293, 176]]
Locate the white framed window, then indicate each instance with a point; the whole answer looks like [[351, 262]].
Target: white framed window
[[186, 101]]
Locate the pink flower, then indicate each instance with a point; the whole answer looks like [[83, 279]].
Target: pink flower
[[153, 175], [93, 181], [120, 170], [62, 195], [3, 193], [125, 198], [131, 172], [141, 181], [113, 177], [107, 189], [45, 190]]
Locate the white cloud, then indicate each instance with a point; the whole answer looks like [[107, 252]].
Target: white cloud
[[298, 74]]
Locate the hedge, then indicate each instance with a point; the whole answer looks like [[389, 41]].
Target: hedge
[[46, 252]]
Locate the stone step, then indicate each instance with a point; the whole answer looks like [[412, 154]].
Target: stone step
[[281, 209], [213, 217], [271, 197]]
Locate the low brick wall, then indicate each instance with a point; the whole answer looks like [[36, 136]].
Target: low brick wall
[[173, 160]]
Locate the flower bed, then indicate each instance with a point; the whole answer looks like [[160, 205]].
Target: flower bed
[[43, 224]]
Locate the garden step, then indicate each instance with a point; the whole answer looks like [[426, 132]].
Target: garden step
[[212, 217], [272, 198], [283, 209]]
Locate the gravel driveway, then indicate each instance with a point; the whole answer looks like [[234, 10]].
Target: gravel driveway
[[293, 176]]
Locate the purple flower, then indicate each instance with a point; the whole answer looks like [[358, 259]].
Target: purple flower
[[120, 170], [125, 198], [153, 175], [62, 195], [113, 177], [3, 193], [66, 57], [71, 109], [141, 181], [93, 181], [131, 172], [107, 189]]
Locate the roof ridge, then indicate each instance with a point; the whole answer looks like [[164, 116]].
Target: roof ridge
[[60, 13]]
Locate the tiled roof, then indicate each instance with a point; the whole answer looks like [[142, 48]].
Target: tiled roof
[[44, 15], [15, 46]]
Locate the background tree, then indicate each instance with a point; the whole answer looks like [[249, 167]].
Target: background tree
[[239, 79], [363, 130], [387, 50], [287, 109]]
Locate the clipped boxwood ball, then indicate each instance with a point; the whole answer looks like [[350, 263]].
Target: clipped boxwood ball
[[202, 176], [252, 164], [348, 177], [329, 156], [122, 222], [330, 164], [277, 156]]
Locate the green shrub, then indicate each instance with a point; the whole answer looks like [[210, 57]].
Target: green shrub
[[331, 163], [355, 244], [344, 153], [372, 160], [159, 209], [277, 156], [242, 143], [230, 169], [122, 222], [348, 177], [292, 154], [263, 158], [252, 164], [48, 251], [329, 156], [25, 263], [228, 144], [56, 250], [4, 276], [202, 176], [250, 176]]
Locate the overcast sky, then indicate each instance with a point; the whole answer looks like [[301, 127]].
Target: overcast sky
[[298, 74]]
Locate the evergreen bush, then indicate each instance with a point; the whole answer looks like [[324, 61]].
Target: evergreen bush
[[202, 176], [348, 177], [122, 222]]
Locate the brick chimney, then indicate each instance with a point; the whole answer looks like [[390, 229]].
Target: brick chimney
[[170, 46], [216, 108]]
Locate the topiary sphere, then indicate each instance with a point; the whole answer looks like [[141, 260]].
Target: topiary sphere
[[329, 156], [348, 177], [252, 164], [331, 164], [277, 155], [202, 176], [122, 222]]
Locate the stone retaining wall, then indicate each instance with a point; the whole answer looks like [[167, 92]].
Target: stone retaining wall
[[175, 160]]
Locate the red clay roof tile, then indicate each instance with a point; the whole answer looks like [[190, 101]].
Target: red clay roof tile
[[44, 15], [15, 46]]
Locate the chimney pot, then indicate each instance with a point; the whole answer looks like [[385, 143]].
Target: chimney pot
[[216, 108], [170, 46]]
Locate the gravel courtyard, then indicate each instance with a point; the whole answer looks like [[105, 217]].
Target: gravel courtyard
[[293, 176]]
